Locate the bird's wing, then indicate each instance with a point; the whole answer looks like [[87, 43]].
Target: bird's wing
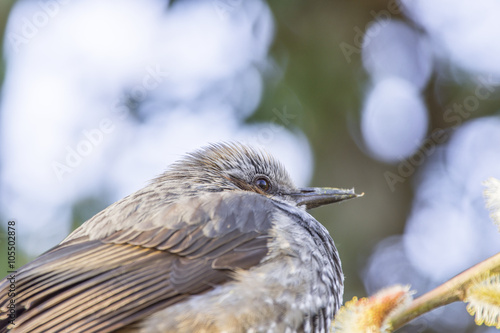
[[101, 285]]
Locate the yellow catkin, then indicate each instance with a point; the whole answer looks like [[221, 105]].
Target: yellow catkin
[[367, 315], [492, 196], [483, 298]]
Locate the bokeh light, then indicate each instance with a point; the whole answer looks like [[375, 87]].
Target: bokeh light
[[394, 119], [391, 48]]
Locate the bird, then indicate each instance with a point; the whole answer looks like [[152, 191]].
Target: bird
[[219, 242]]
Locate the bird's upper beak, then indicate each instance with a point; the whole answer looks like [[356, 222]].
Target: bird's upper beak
[[313, 197]]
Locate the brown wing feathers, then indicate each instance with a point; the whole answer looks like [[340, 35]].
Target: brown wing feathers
[[102, 285]]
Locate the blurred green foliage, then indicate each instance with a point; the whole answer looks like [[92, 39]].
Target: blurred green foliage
[[5, 6]]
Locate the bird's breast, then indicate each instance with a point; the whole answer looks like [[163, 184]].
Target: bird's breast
[[289, 291]]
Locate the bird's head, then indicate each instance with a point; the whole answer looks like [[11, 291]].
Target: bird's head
[[237, 167]]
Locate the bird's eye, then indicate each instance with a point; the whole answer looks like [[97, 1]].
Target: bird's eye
[[262, 183]]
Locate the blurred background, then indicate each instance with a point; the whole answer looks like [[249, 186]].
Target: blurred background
[[398, 99]]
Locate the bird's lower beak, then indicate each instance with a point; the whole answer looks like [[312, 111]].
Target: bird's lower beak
[[313, 197]]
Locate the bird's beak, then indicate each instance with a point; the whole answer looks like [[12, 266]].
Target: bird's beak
[[313, 197]]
